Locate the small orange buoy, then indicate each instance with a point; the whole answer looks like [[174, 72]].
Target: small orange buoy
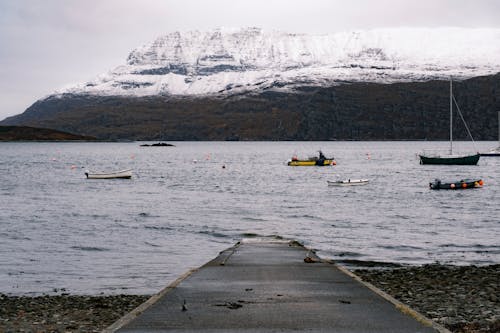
[[481, 182], [334, 163], [464, 185]]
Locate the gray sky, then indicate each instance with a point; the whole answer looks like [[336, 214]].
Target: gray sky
[[48, 44]]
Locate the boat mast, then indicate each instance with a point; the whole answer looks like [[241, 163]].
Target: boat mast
[[451, 118]]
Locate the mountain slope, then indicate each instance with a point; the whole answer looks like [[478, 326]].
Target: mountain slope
[[24, 133], [359, 111]]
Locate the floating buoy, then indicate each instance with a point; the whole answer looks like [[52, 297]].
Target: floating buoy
[[481, 182], [334, 163], [73, 167], [452, 185], [464, 185], [223, 166]]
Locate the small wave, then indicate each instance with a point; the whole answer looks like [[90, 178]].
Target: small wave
[[253, 219], [151, 244], [143, 214], [213, 233], [471, 246], [348, 254], [401, 247], [305, 216], [89, 248], [358, 264], [14, 237], [250, 235], [403, 217], [155, 227]]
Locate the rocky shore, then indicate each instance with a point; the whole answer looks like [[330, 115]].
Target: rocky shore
[[64, 313], [463, 299]]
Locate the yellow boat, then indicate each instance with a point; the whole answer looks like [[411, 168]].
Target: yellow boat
[[312, 161]]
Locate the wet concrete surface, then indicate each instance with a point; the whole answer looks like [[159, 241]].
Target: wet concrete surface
[[267, 286]]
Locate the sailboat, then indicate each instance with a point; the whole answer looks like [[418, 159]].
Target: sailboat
[[451, 159], [495, 151]]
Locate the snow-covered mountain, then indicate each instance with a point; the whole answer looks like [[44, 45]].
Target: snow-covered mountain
[[226, 61]]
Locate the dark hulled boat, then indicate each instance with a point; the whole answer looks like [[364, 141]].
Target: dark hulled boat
[[457, 185], [451, 159]]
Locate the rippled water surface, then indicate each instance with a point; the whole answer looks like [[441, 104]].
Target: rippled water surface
[[59, 230]]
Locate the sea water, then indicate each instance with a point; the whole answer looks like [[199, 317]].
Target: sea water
[[61, 232]]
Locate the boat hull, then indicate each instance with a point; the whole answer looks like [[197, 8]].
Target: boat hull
[[459, 185], [452, 160], [493, 152], [311, 162], [348, 182], [490, 154], [123, 174]]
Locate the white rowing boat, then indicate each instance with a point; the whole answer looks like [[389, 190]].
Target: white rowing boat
[[126, 174], [348, 182]]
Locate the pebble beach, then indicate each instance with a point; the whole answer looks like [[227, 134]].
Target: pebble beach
[[463, 299]]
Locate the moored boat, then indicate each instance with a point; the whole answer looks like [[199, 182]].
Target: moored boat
[[457, 185], [348, 182], [125, 174], [312, 161], [451, 159]]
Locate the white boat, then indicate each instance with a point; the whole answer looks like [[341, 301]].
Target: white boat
[[348, 182], [126, 174]]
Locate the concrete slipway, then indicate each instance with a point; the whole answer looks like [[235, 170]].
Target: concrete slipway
[[271, 286]]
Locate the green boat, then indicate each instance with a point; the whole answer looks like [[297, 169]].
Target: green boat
[[451, 159]]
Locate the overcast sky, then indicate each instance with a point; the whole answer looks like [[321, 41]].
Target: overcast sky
[[49, 44]]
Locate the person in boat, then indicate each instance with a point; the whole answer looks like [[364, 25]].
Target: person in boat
[[321, 159]]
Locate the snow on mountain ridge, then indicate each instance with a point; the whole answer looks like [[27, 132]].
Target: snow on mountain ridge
[[235, 60]]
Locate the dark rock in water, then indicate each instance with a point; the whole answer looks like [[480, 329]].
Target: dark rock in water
[[159, 144]]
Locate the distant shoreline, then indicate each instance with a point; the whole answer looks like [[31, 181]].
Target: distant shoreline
[[140, 141]]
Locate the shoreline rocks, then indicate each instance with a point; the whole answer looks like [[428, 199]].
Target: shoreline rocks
[[463, 299], [64, 313]]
